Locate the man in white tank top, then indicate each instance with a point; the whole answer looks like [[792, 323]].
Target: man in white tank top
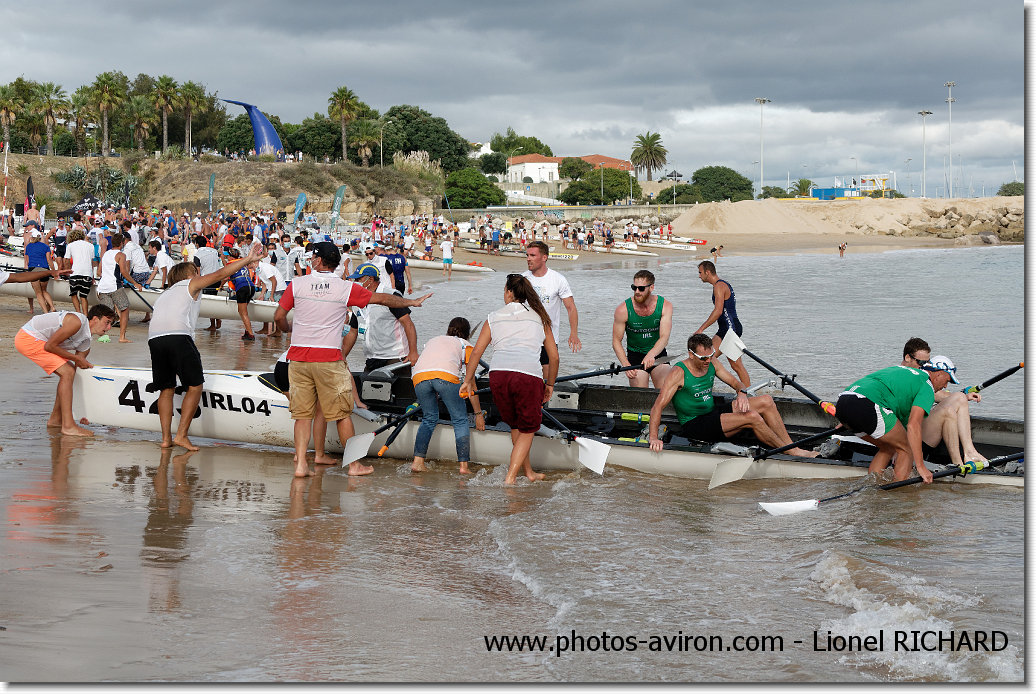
[[59, 342], [171, 343]]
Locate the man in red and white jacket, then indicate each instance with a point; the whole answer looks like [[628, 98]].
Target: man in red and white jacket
[[316, 372]]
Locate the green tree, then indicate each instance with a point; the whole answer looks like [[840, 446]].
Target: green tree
[[1012, 188], [109, 94], [10, 105], [366, 134], [574, 168], [51, 101], [64, 142], [167, 97], [685, 195], [236, 135], [318, 137], [774, 192], [801, 188], [493, 163], [142, 113], [344, 106], [207, 124], [648, 152], [715, 183], [470, 189], [192, 100], [420, 130], [80, 112], [618, 185], [512, 140]]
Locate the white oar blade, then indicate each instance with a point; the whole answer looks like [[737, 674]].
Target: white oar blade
[[731, 346], [593, 454], [787, 508], [730, 470], [356, 447]]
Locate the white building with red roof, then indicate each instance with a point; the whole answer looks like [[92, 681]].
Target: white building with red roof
[[542, 169]]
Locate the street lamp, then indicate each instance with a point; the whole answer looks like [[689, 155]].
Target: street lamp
[[381, 143], [924, 154], [856, 172], [760, 182], [761, 100], [949, 139], [509, 157], [907, 162]]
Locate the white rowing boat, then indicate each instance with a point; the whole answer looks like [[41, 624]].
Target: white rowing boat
[[237, 406], [218, 306], [434, 264]]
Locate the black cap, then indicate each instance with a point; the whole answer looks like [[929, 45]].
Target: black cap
[[327, 252]]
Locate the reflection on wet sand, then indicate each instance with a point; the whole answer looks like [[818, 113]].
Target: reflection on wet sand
[[165, 532]]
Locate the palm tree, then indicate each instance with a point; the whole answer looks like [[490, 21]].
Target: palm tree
[[167, 97], [344, 106], [33, 125], [51, 101], [80, 109], [365, 136], [142, 113], [648, 152], [108, 95], [192, 99], [801, 187], [9, 107]]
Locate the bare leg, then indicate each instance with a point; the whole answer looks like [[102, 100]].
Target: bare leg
[[242, 310], [187, 409], [736, 364], [67, 374], [320, 457], [123, 323], [165, 416], [302, 429]]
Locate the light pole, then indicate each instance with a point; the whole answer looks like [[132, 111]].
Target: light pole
[[509, 157], [924, 155], [949, 138], [760, 100], [760, 183], [381, 143], [856, 172], [602, 183], [907, 162]]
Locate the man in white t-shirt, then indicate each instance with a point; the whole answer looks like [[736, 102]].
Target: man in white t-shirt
[[553, 291], [447, 257], [163, 263], [80, 253], [271, 287]]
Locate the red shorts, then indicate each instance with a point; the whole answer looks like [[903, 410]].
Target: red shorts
[[519, 398]]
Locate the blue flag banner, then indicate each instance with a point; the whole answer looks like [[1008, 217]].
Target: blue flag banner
[[300, 203], [212, 187], [336, 207]]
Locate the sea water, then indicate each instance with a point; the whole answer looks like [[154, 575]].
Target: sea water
[[120, 563]]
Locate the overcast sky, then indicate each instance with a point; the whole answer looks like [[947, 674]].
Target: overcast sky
[[586, 76]]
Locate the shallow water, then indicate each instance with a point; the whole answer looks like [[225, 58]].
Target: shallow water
[[121, 564]]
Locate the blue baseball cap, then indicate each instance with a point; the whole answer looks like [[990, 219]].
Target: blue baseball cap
[[366, 270]]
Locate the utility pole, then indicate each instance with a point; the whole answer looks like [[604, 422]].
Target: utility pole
[[949, 136], [924, 154], [760, 100]]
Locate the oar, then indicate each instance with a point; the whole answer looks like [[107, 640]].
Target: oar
[[357, 446], [995, 379], [616, 369], [786, 508], [734, 469], [733, 347], [150, 307], [592, 454], [411, 412]]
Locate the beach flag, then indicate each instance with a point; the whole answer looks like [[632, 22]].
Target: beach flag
[[300, 203], [212, 187], [30, 194], [336, 207]]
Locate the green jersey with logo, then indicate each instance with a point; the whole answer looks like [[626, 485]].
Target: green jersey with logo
[[695, 397], [898, 388]]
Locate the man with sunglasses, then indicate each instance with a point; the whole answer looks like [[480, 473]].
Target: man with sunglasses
[[689, 387], [950, 418], [646, 319]]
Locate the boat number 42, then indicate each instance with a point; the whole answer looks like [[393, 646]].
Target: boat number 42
[[130, 397]]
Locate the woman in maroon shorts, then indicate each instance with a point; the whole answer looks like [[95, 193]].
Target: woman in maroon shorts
[[517, 332]]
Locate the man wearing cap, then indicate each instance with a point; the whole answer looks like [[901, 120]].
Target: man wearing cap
[[950, 418], [391, 336], [887, 408], [317, 374]]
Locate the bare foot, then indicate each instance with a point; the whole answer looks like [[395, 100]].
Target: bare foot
[[510, 479], [302, 470], [356, 468], [802, 453], [324, 459], [974, 456], [124, 340], [464, 469], [167, 444], [535, 477], [76, 431], [185, 443], [51, 423], [418, 466]]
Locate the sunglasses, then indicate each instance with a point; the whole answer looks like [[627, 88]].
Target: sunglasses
[[638, 288], [705, 357], [918, 360]]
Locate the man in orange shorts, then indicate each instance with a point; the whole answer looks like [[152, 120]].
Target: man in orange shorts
[[59, 342]]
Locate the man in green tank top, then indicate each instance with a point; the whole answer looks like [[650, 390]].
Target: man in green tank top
[[645, 319], [689, 387]]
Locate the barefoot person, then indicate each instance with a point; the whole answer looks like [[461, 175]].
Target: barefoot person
[[517, 332], [689, 387], [437, 376], [724, 314], [318, 376], [59, 343], [171, 342], [646, 320], [554, 292], [114, 266]]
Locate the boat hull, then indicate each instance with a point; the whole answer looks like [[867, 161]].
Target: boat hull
[[236, 406]]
